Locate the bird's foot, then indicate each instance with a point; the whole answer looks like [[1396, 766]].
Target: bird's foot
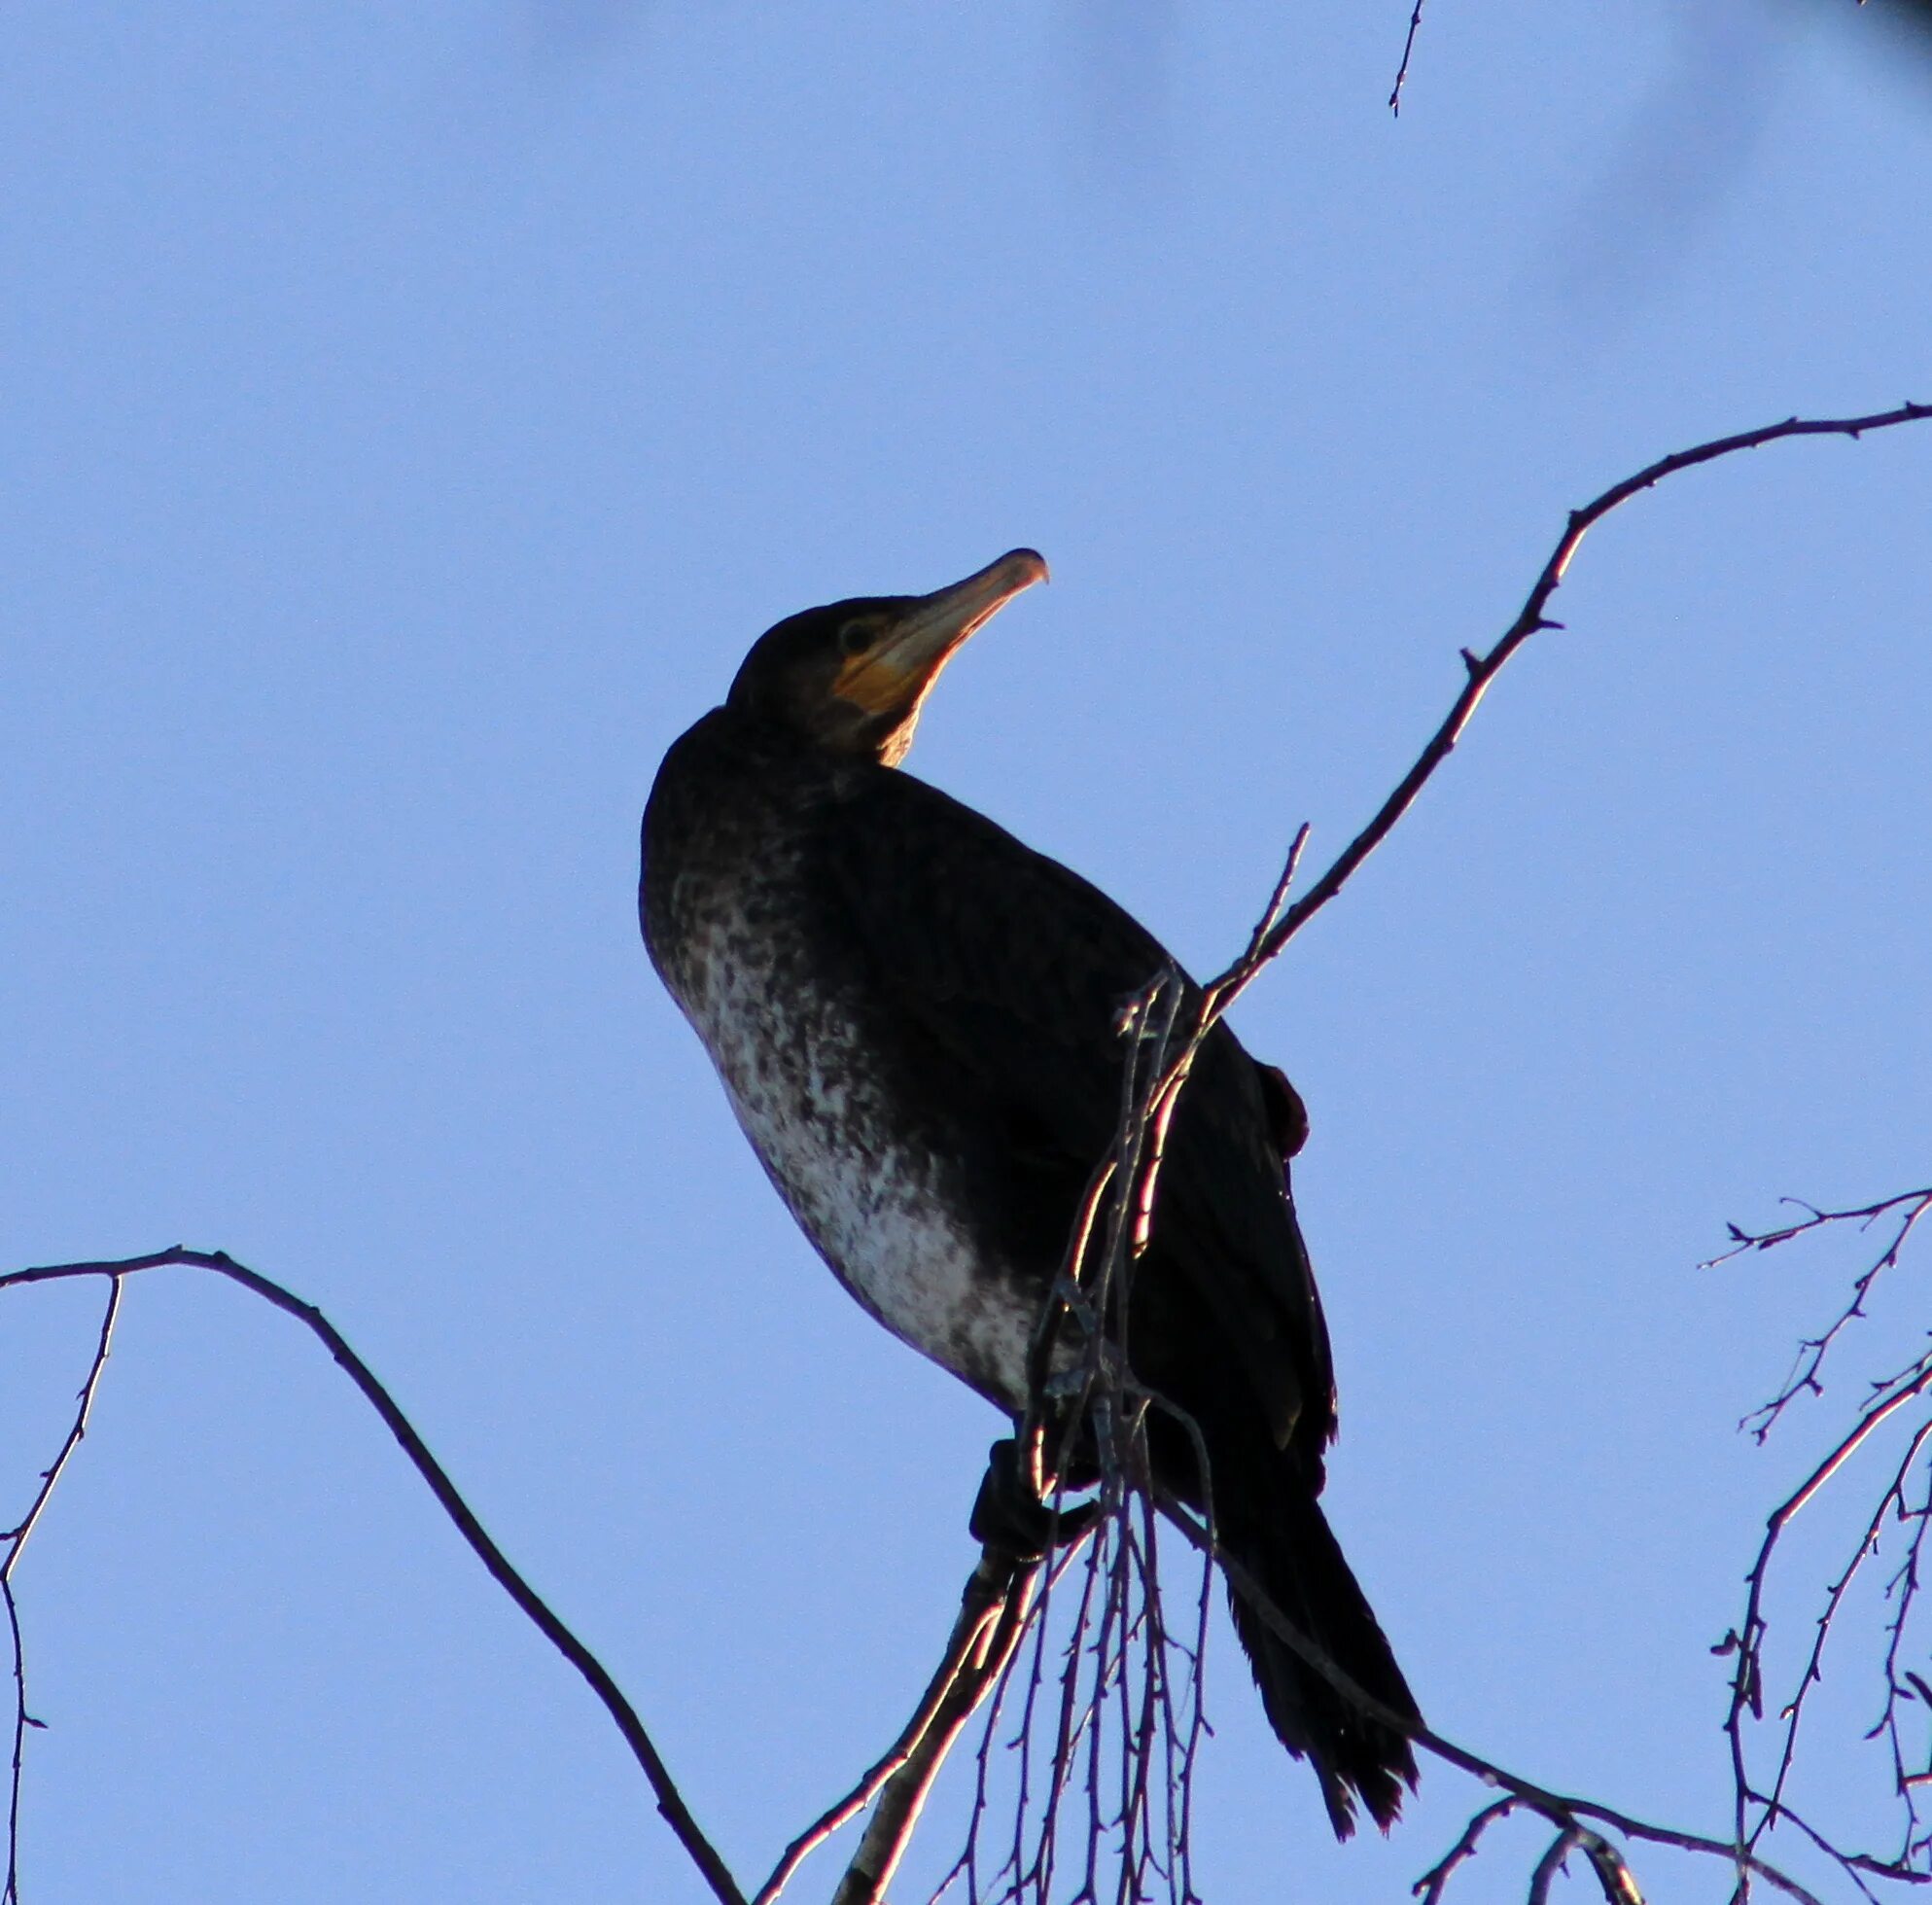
[[1010, 1515]]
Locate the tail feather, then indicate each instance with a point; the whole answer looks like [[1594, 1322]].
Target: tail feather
[[1298, 1563]]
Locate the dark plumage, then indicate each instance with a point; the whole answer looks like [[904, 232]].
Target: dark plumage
[[913, 1016]]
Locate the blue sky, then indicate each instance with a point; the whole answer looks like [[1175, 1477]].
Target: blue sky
[[413, 414]]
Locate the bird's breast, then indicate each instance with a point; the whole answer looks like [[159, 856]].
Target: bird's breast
[[815, 1089]]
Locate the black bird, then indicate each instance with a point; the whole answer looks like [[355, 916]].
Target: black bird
[[913, 1015]]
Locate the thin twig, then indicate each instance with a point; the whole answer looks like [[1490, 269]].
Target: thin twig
[[1544, 1875], [1746, 1639], [1167, 1023], [1757, 1811], [1129, 1180], [16, 1540], [1403, 71], [1482, 670], [1430, 1885], [670, 1802], [1862, 1551], [1561, 1811], [1807, 1368]]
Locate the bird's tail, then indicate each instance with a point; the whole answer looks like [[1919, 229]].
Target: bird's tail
[[1300, 1567]]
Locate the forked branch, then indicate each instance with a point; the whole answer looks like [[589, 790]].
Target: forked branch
[[1905, 1502], [670, 1802], [1114, 1218]]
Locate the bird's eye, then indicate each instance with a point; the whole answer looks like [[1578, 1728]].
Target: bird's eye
[[855, 638]]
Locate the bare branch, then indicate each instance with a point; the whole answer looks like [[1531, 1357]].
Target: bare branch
[[1757, 1811], [1865, 1547], [1807, 1370], [1482, 670], [1403, 71], [1429, 1888], [670, 1803], [994, 1588], [16, 1541], [1549, 1865], [1169, 1024], [1568, 1814], [985, 1638], [1616, 1880]]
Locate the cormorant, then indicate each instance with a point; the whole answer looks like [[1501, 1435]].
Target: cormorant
[[914, 1018]]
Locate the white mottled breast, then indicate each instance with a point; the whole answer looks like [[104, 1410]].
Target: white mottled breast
[[812, 1100]]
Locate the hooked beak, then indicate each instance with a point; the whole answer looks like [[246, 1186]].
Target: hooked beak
[[893, 675]]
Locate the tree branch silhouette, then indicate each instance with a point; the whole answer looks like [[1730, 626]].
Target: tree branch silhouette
[[1757, 1811], [1408, 53], [1167, 1025], [1482, 670], [16, 1541], [1139, 1676], [670, 1802], [992, 1615], [1808, 1368]]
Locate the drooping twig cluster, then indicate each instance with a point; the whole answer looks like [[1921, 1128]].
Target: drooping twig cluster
[[1166, 1026], [1898, 1404], [1084, 1770]]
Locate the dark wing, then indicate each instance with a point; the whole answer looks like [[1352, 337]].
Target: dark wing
[[1001, 975]]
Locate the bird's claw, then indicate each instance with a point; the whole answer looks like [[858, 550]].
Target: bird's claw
[[1009, 1516]]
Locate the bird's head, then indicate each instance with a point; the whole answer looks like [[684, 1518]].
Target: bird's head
[[849, 678]]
